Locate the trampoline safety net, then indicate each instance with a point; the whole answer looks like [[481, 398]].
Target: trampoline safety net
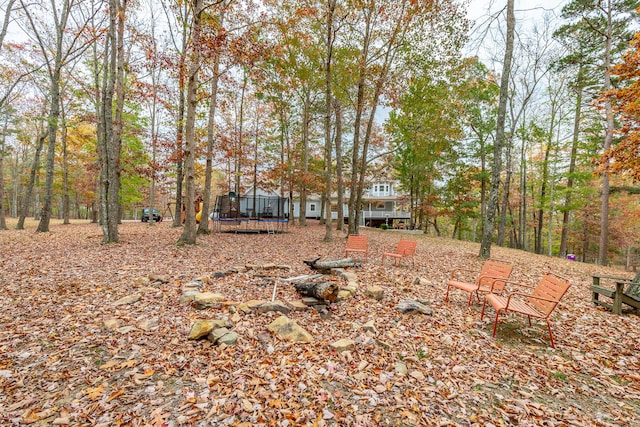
[[252, 207]]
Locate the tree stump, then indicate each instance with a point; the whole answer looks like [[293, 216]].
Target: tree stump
[[327, 291], [326, 266]]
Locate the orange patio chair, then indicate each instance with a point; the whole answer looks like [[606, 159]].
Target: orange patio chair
[[405, 249], [357, 244], [540, 303], [493, 275]]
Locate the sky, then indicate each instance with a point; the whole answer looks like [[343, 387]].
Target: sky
[[529, 13], [525, 9]]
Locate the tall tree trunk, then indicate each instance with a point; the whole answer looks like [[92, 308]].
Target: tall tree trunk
[[389, 56], [26, 199], [585, 238], [331, 6], [5, 22], [179, 153], [203, 228], [552, 205], [522, 209], [3, 33], [545, 175], [543, 194], [304, 176], [488, 225], [513, 235], [155, 70], [502, 227], [54, 114], [339, 180], [286, 176], [483, 181], [5, 127], [604, 211], [238, 152], [189, 232], [412, 202], [572, 167], [16, 188], [256, 147], [154, 148], [66, 209], [113, 117], [360, 102]]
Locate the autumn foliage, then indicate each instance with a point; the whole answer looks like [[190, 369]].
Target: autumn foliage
[[626, 102], [72, 353]]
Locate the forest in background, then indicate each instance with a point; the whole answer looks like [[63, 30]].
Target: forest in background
[[110, 106]]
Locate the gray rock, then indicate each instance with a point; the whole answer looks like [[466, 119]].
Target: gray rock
[[370, 326], [216, 334], [221, 274], [148, 324], [343, 295], [194, 284], [422, 282], [375, 292], [207, 299], [159, 278], [229, 338], [288, 330], [126, 329], [343, 345], [272, 306], [298, 305], [409, 306], [112, 323], [254, 303], [188, 296], [349, 276], [351, 287], [323, 311], [339, 271], [128, 300], [203, 279], [202, 328]]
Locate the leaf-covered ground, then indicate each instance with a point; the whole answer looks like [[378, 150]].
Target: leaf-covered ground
[[60, 364]]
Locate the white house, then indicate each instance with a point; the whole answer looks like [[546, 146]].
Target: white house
[[381, 203]]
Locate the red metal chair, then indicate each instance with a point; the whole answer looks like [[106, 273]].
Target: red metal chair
[[493, 275], [357, 244], [540, 303], [405, 249]]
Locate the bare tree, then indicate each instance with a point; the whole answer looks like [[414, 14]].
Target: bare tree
[[70, 23], [3, 137], [211, 128], [330, 38], [492, 206], [189, 232]]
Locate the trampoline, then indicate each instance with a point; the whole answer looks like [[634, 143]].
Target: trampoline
[[251, 214]]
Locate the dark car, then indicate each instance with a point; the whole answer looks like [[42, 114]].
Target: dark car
[[156, 215]]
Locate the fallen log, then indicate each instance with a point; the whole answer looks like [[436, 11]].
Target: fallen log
[[326, 266], [327, 291], [303, 277]]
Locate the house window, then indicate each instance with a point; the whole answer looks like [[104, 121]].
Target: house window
[[312, 207], [380, 205]]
